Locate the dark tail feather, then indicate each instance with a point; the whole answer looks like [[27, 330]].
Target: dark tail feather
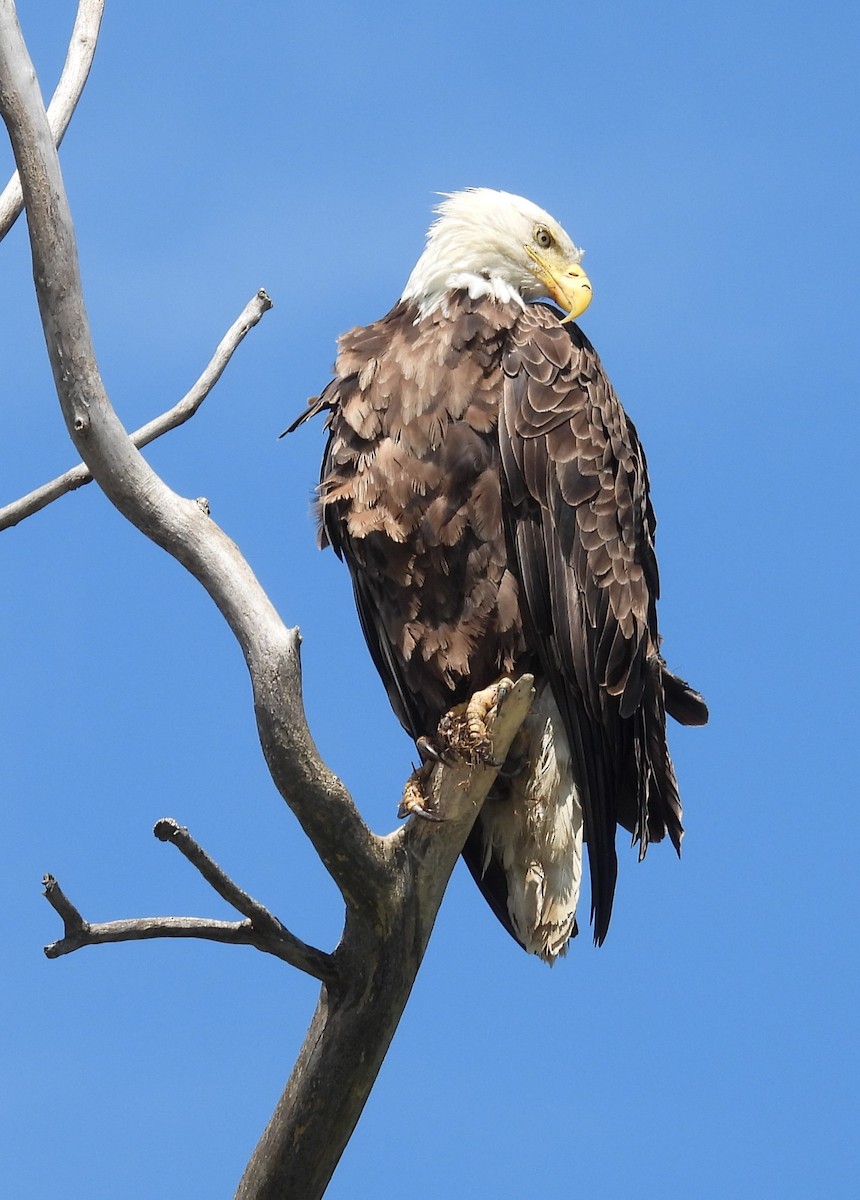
[[665, 807], [682, 703], [651, 782]]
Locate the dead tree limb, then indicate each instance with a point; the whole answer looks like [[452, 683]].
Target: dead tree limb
[[392, 887], [79, 59], [17, 510], [259, 929]]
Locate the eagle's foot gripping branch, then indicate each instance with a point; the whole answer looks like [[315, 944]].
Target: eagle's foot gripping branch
[[463, 732], [415, 797], [462, 736]]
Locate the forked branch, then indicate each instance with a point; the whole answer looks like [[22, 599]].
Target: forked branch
[[79, 59], [259, 929]]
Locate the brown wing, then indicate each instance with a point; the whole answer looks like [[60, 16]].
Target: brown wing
[[409, 497], [582, 530]]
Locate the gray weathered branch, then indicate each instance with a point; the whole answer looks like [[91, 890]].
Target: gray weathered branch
[[269, 934], [17, 510], [139, 929], [76, 69], [260, 928]]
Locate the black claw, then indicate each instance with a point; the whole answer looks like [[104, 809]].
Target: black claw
[[425, 814], [431, 753], [427, 750]]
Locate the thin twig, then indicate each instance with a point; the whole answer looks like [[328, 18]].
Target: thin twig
[[168, 830], [72, 920], [136, 929], [17, 510], [79, 59]]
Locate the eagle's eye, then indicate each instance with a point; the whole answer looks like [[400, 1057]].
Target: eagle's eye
[[543, 237]]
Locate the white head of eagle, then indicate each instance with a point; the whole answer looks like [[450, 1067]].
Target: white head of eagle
[[490, 498], [499, 245]]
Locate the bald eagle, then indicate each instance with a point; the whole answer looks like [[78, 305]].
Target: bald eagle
[[490, 498]]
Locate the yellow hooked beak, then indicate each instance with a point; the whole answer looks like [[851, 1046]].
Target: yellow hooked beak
[[566, 282]]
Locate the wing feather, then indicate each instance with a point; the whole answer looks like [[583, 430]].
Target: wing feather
[[582, 531]]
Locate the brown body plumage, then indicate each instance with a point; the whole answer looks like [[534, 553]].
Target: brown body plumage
[[490, 497]]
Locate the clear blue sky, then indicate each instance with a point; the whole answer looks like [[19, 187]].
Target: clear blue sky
[[705, 156]]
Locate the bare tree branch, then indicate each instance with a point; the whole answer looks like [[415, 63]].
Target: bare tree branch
[[74, 923], [138, 929], [350, 852], [79, 59], [266, 926], [17, 510], [260, 928]]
